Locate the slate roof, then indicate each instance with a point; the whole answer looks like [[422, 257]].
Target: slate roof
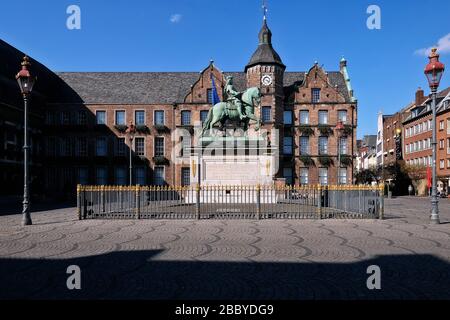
[[118, 87], [441, 97], [157, 87]]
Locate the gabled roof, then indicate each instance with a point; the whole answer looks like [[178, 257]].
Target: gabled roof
[[444, 104], [440, 98]]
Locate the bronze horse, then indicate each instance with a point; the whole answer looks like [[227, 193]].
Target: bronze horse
[[222, 111]]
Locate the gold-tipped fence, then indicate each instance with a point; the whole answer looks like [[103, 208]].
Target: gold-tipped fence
[[230, 201]]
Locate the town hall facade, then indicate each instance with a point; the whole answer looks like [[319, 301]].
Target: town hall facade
[[80, 119]]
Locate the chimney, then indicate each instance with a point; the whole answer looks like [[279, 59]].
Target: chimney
[[420, 98]]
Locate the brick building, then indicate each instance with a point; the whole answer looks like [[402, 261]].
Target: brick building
[[83, 130], [11, 121], [366, 153], [417, 131]]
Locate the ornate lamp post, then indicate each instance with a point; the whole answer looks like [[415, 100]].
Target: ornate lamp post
[[339, 128], [433, 71], [26, 82], [131, 132]]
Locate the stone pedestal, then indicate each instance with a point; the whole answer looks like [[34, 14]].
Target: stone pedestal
[[233, 161]]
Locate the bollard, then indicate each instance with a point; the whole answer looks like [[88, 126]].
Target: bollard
[[381, 202], [319, 201], [258, 201], [138, 202], [197, 190]]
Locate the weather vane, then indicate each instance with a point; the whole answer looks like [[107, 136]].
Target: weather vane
[[264, 7]]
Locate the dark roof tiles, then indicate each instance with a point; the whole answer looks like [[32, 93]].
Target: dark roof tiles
[[157, 87]]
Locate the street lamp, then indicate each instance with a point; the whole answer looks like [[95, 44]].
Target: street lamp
[[433, 71], [131, 132], [339, 128], [26, 82]]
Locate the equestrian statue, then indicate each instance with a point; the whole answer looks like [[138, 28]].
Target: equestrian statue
[[237, 107]]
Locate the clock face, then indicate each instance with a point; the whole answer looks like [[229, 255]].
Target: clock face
[[266, 80]]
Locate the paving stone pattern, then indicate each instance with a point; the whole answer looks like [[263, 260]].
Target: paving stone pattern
[[228, 259]]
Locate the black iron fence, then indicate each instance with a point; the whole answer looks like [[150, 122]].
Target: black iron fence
[[230, 202]]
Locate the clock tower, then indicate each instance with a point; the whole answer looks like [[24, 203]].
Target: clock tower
[[265, 70]]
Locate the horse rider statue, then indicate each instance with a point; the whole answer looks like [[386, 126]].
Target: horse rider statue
[[234, 97]]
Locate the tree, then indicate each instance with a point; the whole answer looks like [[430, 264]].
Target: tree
[[366, 176]]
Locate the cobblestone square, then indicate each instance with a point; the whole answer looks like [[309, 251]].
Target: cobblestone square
[[228, 259]]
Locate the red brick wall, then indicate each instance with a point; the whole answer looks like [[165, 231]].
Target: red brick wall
[[443, 134], [195, 101], [332, 101]]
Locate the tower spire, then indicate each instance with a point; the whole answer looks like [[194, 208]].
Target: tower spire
[[264, 7], [265, 53]]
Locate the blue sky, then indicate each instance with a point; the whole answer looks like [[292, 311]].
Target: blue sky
[[183, 35]]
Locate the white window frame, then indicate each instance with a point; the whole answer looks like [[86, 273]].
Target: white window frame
[[106, 117], [145, 151], [190, 117], [300, 117], [304, 169], [323, 112], [135, 118], [341, 176], [346, 115], [164, 117], [125, 117], [326, 177], [164, 146]]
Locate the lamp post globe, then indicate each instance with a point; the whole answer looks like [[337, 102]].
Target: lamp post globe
[[26, 82], [434, 71]]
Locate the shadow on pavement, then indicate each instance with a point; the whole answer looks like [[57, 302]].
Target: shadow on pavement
[[134, 275], [14, 206]]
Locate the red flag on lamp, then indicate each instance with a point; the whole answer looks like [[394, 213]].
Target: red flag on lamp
[[429, 177]]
